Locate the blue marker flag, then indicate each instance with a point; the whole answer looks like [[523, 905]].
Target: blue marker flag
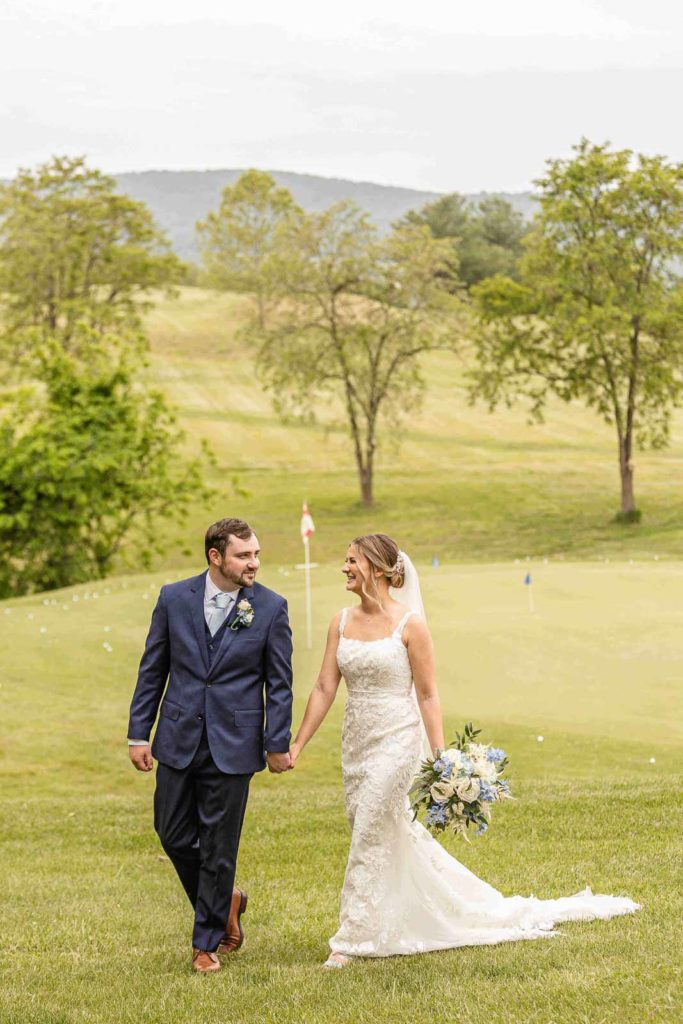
[[435, 561], [527, 579]]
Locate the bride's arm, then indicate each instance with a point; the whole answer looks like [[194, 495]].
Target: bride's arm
[[421, 653], [323, 693]]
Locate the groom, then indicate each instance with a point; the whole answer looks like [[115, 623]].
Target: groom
[[223, 643]]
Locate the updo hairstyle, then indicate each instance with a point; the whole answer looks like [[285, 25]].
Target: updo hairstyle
[[383, 553]]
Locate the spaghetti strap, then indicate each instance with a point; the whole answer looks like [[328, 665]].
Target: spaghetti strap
[[399, 629], [342, 621]]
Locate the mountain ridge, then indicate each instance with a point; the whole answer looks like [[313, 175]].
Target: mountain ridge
[[178, 199]]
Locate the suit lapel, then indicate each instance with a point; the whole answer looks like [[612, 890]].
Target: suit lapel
[[197, 615], [246, 593]]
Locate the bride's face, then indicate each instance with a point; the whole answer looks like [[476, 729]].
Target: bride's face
[[356, 569]]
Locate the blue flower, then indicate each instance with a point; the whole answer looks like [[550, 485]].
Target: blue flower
[[487, 792], [482, 828], [467, 765], [436, 815], [444, 767], [495, 754]]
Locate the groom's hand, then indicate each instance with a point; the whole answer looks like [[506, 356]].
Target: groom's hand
[[141, 756], [278, 763]]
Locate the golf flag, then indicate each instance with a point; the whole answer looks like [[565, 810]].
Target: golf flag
[[307, 526], [527, 579], [527, 583], [307, 529]]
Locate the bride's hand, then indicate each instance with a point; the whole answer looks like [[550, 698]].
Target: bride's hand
[[294, 752]]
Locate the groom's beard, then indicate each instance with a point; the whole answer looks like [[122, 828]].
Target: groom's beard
[[243, 579]]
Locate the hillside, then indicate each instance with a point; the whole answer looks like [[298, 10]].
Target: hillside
[[457, 483], [178, 199]]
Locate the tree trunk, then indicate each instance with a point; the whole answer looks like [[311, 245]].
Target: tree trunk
[[628, 501], [366, 481]]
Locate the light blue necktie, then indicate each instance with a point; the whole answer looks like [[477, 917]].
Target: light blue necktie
[[219, 614]]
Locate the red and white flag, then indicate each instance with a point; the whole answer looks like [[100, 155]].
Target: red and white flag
[[307, 527]]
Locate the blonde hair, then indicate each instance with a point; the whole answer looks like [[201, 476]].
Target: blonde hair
[[384, 555]]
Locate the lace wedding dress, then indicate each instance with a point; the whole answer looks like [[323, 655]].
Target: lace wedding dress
[[403, 893]]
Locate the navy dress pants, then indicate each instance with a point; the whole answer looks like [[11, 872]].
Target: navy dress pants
[[198, 815]]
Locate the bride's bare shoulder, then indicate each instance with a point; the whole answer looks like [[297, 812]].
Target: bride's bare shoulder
[[415, 627], [335, 621]]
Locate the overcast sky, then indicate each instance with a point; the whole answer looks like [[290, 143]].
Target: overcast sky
[[433, 95]]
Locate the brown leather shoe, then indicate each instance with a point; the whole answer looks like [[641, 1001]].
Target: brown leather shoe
[[204, 962], [234, 933]]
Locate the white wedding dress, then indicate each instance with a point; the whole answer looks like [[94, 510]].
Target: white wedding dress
[[403, 893]]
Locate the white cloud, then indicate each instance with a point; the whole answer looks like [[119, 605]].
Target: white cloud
[[443, 95]]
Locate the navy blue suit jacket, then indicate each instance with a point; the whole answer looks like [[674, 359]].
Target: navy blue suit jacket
[[244, 698]]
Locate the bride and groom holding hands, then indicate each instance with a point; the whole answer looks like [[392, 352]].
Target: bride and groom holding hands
[[217, 671]]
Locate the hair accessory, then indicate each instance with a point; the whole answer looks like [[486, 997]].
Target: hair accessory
[[399, 567]]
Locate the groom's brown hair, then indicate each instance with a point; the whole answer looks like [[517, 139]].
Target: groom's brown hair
[[218, 535]]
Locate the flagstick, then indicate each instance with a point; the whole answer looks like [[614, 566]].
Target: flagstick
[[309, 609]]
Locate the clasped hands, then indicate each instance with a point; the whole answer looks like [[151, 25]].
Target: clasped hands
[[278, 763]]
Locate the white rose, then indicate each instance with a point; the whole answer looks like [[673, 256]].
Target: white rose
[[443, 790], [477, 750], [454, 756], [486, 770], [468, 790]]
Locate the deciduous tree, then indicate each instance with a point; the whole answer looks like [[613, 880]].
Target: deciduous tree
[[355, 312], [597, 316]]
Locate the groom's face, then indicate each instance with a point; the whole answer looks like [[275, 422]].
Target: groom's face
[[240, 562]]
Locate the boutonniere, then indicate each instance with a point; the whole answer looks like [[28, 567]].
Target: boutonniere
[[244, 616]]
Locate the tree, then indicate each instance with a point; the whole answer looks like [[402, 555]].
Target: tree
[[486, 237], [354, 314], [242, 242], [90, 454], [90, 462], [598, 313], [75, 252]]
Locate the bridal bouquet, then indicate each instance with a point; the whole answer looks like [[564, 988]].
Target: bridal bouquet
[[460, 784]]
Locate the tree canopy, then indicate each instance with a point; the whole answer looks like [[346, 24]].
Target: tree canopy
[[74, 251], [486, 238], [244, 241]]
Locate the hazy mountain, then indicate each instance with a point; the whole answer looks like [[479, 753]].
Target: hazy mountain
[[178, 199]]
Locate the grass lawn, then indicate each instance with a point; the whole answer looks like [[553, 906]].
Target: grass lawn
[[463, 484], [96, 929]]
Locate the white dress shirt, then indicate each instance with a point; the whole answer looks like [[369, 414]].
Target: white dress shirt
[[210, 591]]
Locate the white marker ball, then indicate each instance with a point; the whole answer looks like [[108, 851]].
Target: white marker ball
[[539, 739]]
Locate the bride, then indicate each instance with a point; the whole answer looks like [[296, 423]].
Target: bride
[[403, 893]]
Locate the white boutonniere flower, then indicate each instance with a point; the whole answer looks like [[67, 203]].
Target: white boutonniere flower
[[244, 616]]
